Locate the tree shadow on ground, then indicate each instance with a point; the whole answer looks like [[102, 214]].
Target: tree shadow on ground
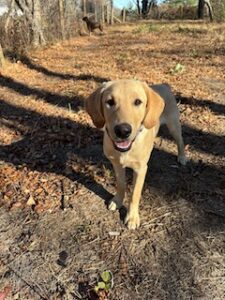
[[34, 66], [53, 98], [48, 142], [217, 108], [206, 142], [200, 140], [73, 102]]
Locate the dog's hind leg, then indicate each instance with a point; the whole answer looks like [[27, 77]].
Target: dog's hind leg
[[174, 127], [117, 201]]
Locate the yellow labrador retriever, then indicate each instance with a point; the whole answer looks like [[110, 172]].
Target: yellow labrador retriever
[[131, 113]]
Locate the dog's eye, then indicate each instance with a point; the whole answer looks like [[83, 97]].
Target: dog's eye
[[137, 102], [110, 102]]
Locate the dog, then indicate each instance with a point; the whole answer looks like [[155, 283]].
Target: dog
[[92, 25], [130, 113]]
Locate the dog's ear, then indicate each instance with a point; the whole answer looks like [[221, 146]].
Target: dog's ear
[[154, 108], [94, 108]]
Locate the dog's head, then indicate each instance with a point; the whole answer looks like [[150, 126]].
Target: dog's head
[[123, 106], [85, 19]]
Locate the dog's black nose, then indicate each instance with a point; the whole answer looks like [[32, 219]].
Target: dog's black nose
[[123, 130]]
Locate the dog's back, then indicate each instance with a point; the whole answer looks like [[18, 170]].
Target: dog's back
[[92, 25], [167, 95]]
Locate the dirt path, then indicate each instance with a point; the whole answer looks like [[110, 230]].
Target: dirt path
[[55, 231]]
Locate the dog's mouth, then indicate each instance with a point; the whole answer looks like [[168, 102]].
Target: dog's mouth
[[122, 146]]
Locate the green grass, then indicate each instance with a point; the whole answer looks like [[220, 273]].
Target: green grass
[[146, 28], [191, 30]]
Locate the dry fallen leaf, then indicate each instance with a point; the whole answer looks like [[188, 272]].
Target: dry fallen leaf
[[5, 293], [31, 201]]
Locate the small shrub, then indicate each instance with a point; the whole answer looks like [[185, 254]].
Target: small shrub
[[146, 28], [178, 68], [191, 30]]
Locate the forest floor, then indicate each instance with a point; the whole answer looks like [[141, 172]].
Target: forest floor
[[56, 234]]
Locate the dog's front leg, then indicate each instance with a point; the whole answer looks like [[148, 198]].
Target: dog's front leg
[[132, 219], [89, 29], [117, 200]]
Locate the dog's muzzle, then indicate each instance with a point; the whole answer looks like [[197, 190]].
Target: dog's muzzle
[[124, 145], [122, 132]]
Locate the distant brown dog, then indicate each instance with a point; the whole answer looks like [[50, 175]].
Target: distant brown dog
[[92, 25], [131, 113]]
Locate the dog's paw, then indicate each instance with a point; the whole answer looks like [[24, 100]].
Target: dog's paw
[[115, 204], [182, 159], [132, 220]]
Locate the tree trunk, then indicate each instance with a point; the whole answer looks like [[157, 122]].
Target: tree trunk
[[107, 14], [96, 11], [9, 15], [210, 10], [103, 13], [2, 58], [62, 18], [201, 6], [124, 15], [112, 12], [144, 10], [84, 8], [32, 11], [38, 35], [152, 4], [138, 8]]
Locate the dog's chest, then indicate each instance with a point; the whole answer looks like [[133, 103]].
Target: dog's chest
[[126, 162], [134, 158], [124, 159]]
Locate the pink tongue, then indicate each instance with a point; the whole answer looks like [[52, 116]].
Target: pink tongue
[[123, 145]]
